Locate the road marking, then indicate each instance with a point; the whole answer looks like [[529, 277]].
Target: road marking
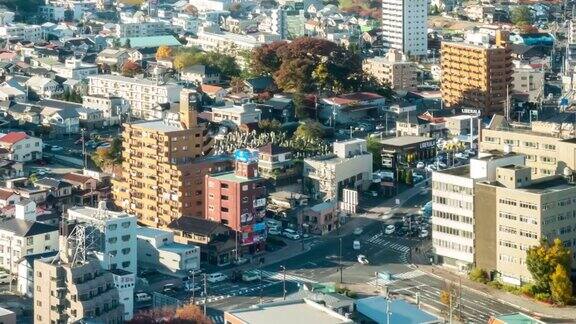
[[396, 277], [289, 277]]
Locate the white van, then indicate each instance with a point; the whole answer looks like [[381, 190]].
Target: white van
[[143, 297], [216, 277], [356, 245]]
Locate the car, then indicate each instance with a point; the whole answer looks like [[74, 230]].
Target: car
[[240, 261], [358, 231], [424, 233], [143, 297], [441, 164], [356, 245], [274, 231], [194, 272], [363, 260], [216, 277], [460, 155], [390, 229], [169, 288], [251, 275], [291, 234], [4, 278], [370, 194], [420, 165], [56, 148], [417, 177], [192, 288]]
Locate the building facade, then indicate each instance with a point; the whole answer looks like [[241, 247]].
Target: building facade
[[404, 26], [164, 167], [393, 69], [238, 200], [21, 147], [142, 96], [477, 75]]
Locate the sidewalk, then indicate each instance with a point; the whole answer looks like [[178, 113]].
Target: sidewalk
[[525, 304]]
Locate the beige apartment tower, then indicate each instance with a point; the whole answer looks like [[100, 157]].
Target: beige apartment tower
[[70, 287], [164, 165], [393, 69], [477, 76]]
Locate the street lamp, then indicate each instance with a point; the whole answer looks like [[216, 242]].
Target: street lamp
[[283, 282]]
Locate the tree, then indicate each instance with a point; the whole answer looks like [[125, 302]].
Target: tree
[[185, 60], [309, 130], [191, 314], [130, 69], [237, 85], [299, 101], [526, 28], [375, 147], [448, 297], [187, 314], [163, 52], [116, 43], [560, 286], [478, 275], [269, 125], [521, 14], [542, 261]]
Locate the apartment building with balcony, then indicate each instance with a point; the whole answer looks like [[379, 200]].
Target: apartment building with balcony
[[143, 97], [477, 75], [276, 163], [141, 29], [515, 212], [393, 69], [549, 145], [237, 200], [404, 26], [350, 166], [66, 291], [164, 164]]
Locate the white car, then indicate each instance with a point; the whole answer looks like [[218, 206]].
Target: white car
[[460, 155], [358, 231], [420, 165], [356, 245], [291, 234], [424, 233], [362, 259], [390, 229], [216, 277], [192, 288], [274, 231]]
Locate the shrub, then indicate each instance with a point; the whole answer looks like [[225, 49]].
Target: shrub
[[543, 297], [495, 284], [511, 289], [352, 294], [478, 275], [528, 290]]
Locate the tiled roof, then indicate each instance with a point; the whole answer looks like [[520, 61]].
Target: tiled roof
[[5, 194], [13, 137], [24, 228], [210, 89], [195, 225], [76, 177]]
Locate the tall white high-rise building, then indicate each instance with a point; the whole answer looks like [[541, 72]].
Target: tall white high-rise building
[[404, 26]]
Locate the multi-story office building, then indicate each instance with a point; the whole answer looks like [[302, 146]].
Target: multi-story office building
[[69, 288], [528, 82], [393, 69], [142, 96], [453, 216], [477, 75], [31, 33], [549, 145], [287, 22], [349, 167], [164, 167], [238, 200], [404, 26], [515, 212]]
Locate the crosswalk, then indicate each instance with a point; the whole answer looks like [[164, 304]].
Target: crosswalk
[[380, 240], [216, 319], [289, 277], [395, 277]]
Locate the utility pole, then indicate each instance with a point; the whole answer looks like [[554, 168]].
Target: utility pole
[[450, 306], [340, 260], [260, 269], [283, 282], [205, 294], [84, 150], [193, 288], [460, 298]]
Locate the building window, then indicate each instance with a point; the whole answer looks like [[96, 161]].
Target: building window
[[47, 237], [125, 238], [224, 209], [224, 186], [29, 240]]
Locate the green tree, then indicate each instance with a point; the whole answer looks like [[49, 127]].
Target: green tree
[[299, 101], [409, 177], [560, 286], [309, 130], [375, 147], [542, 261], [478, 275], [269, 125], [127, 43], [521, 15]]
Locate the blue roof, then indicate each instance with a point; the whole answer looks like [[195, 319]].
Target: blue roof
[[151, 41], [402, 312]]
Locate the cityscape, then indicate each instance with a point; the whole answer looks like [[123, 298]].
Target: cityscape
[[287, 161]]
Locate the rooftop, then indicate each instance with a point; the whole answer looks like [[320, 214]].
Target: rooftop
[[288, 312], [401, 311], [124, 79], [150, 231], [13, 137], [231, 176], [196, 225], [405, 140], [161, 125], [95, 213], [25, 228], [516, 318], [177, 247], [460, 171], [152, 41]]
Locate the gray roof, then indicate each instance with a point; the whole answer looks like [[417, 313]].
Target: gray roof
[[405, 140], [58, 104], [53, 183], [24, 228]]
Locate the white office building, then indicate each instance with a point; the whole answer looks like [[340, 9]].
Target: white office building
[[404, 26], [142, 96], [453, 223]]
